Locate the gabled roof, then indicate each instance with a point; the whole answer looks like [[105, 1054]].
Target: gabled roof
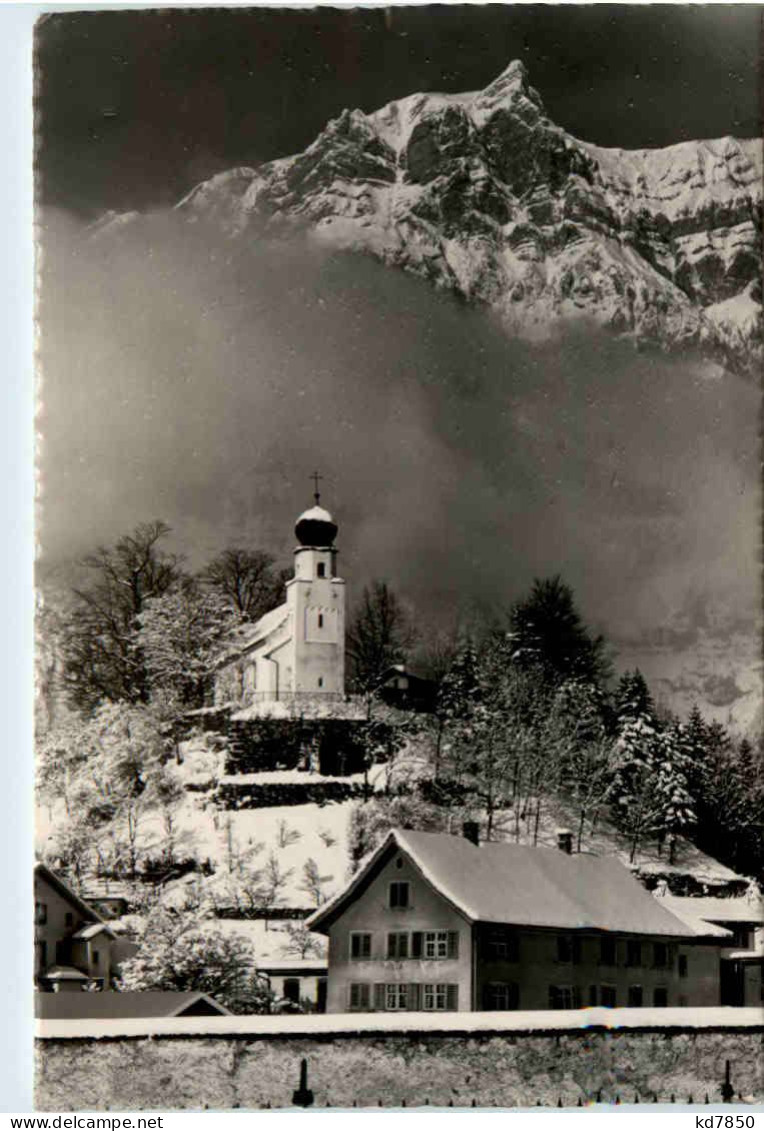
[[520, 885], [86, 911], [134, 1003]]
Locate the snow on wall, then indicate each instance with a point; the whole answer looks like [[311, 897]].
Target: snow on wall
[[495, 1062]]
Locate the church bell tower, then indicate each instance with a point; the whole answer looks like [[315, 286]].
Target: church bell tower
[[316, 599]]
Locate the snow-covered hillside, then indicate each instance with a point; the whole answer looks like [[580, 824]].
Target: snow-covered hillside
[[481, 193]]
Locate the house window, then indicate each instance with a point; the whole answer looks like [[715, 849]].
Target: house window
[[564, 997], [660, 996], [321, 572], [40, 913], [436, 944], [360, 945], [660, 956], [320, 620], [399, 894], [439, 944], [607, 951], [397, 996], [435, 996], [359, 995], [607, 996], [398, 944], [682, 965], [592, 995], [96, 958], [320, 681], [502, 944], [568, 949], [41, 955], [633, 953], [292, 989], [501, 995], [69, 919], [635, 997]]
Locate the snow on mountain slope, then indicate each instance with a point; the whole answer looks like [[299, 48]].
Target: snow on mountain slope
[[482, 194]]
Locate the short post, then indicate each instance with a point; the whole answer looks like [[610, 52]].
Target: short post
[[728, 1092], [303, 1097]]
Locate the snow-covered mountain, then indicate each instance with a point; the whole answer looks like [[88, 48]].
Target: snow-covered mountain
[[483, 194]]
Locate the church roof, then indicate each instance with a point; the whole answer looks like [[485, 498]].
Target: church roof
[[249, 635], [521, 885], [315, 527]]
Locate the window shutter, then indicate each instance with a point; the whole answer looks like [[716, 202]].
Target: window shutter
[[453, 944], [352, 996], [487, 1003], [514, 996], [379, 995], [391, 949], [415, 999], [452, 997], [416, 944], [363, 995]]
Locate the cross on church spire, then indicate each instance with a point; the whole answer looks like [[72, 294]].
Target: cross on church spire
[[316, 493]]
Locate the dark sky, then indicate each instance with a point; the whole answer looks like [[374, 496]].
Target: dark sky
[[137, 106]]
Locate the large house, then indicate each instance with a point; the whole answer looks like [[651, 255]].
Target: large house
[[439, 922], [73, 945]]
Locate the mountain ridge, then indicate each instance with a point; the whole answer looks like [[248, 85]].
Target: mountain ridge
[[482, 194]]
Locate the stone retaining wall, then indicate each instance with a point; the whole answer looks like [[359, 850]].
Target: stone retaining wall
[[493, 1069]]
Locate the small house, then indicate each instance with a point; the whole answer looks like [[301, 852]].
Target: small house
[[74, 946]]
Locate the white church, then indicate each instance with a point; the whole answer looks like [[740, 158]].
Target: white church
[[292, 660]]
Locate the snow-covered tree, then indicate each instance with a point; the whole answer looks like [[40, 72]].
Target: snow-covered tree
[[639, 806], [313, 883], [99, 659], [674, 754], [179, 635], [177, 952], [585, 752], [302, 943]]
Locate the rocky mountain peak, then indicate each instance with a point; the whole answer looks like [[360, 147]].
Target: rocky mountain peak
[[482, 194], [510, 85]]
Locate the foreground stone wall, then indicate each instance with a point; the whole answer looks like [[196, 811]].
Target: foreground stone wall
[[494, 1070]]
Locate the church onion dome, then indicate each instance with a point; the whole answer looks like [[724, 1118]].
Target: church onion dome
[[315, 527]]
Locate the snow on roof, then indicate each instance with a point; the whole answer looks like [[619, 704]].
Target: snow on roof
[[713, 911], [515, 1021], [90, 930], [110, 1004], [522, 885], [64, 974], [249, 635]]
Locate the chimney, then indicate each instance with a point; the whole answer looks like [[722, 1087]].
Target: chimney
[[471, 832], [565, 841]]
